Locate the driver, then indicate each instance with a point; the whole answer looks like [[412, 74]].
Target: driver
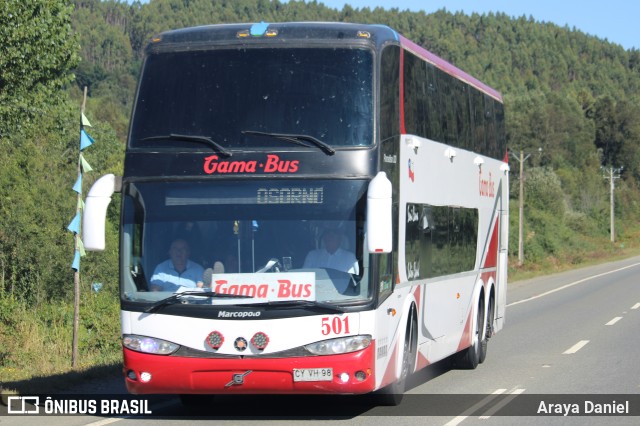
[[177, 271], [331, 255]]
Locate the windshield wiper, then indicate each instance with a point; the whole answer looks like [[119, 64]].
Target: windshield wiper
[[301, 304], [297, 139], [192, 138], [177, 296]]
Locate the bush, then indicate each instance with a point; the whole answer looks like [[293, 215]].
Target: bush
[[41, 343], [543, 191]]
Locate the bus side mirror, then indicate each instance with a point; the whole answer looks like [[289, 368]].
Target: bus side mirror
[[95, 211], [379, 217]]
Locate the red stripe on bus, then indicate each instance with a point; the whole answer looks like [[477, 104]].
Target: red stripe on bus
[[491, 259], [416, 296], [467, 338], [422, 362]]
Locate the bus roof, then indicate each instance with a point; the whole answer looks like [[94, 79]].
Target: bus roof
[[279, 31], [379, 35]]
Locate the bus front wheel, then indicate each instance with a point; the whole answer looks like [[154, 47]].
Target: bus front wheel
[[393, 393]]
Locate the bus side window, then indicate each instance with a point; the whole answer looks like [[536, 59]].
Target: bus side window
[[389, 93]]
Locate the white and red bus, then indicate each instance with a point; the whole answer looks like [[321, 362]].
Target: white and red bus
[[344, 192]]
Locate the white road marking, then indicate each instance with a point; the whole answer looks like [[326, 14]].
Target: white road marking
[[501, 404], [575, 348], [457, 420], [636, 306], [613, 321], [571, 285], [106, 421]]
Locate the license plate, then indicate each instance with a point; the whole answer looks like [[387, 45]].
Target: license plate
[[312, 374]]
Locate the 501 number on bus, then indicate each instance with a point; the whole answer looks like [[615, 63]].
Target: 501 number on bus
[[335, 325]]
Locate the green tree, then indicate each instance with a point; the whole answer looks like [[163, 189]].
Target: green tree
[[608, 138], [37, 55]]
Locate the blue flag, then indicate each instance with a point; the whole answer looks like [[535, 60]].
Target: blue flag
[[74, 226], [78, 185], [85, 140], [76, 261]]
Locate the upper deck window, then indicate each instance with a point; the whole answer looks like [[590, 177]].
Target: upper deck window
[[226, 94]]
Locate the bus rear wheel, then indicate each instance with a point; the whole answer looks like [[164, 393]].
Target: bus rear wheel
[[468, 359], [487, 334]]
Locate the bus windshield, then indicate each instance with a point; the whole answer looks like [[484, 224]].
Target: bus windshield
[[242, 242], [241, 97]]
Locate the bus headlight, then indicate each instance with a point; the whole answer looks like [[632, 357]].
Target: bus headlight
[[149, 345], [341, 345]]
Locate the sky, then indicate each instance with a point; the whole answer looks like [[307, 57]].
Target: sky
[[618, 21]]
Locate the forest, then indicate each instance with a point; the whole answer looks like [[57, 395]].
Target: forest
[[572, 101]]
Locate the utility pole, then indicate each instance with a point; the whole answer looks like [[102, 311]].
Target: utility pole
[[612, 174], [521, 159]]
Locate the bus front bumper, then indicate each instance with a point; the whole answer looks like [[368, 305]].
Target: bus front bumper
[[351, 373]]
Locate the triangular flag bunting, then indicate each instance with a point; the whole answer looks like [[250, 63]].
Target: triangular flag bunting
[[85, 122], [78, 185], [80, 245], [86, 167], [76, 261], [85, 140], [80, 204], [74, 226]]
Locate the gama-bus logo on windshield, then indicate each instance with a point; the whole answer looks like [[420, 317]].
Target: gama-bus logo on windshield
[[272, 164]]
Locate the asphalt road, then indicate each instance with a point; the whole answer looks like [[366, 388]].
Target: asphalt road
[[570, 338]]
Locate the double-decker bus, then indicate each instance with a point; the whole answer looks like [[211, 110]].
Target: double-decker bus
[[338, 196]]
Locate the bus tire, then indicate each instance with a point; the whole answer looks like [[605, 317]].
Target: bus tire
[[392, 394], [484, 345], [468, 359]]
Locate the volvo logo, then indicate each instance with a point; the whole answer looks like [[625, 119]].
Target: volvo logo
[[238, 379]]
